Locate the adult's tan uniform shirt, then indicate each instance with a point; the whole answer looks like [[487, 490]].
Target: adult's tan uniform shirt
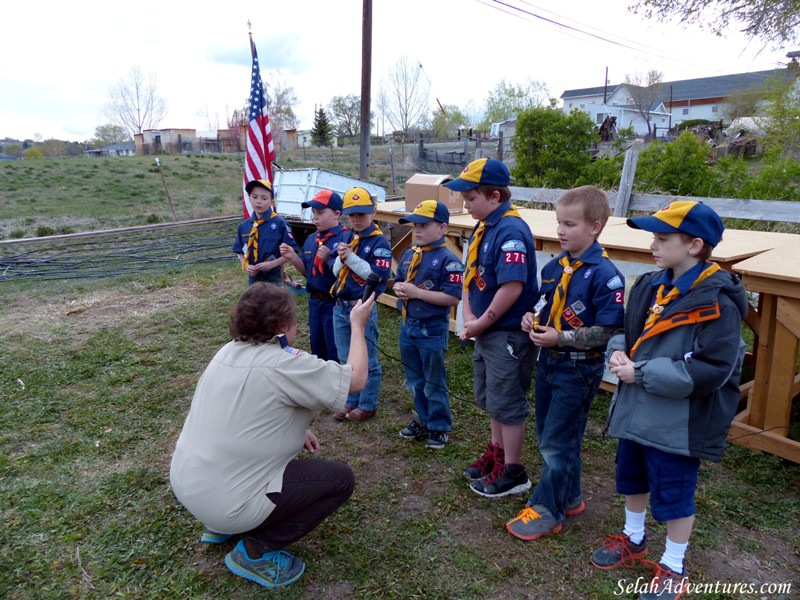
[[247, 421]]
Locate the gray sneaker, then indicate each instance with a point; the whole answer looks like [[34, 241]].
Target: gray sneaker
[[618, 551], [273, 570], [666, 584], [436, 440], [533, 522], [415, 430]]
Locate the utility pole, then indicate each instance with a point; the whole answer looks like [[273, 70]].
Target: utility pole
[[366, 85]]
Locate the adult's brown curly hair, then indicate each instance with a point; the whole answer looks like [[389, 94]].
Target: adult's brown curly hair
[[263, 311]]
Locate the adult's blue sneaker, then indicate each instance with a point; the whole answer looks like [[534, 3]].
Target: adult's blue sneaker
[[273, 570]]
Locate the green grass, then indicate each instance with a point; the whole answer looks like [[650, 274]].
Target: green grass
[[96, 377], [93, 400]]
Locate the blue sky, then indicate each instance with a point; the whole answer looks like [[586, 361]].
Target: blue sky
[[57, 70]]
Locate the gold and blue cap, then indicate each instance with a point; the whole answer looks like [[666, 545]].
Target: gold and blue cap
[[264, 183], [484, 171], [358, 201], [426, 211], [325, 199], [683, 216]]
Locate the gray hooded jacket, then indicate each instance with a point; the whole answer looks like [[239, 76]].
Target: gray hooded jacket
[[687, 374]]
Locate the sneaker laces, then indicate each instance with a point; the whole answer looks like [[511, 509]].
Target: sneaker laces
[[623, 542], [485, 458], [527, 514], [661, 575], [281, 558], [496, 473]]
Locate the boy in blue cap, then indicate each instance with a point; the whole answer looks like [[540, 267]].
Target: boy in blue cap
[[678, 363], [581, 308], [316, 264], [364, 252], [428, 283], [259, 238], [499, 286]]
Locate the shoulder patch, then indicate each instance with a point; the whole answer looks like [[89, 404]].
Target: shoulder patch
[[294, 351], [615, 283], [382, 252], [454, 267], [513, 246]]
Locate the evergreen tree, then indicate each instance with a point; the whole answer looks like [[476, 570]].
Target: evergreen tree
[[322, 132]]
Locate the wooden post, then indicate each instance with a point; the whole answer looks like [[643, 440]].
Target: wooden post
[[500, 147], [391, 160], [421, 150], [626, 181], [166, 189], [366, 86], [466, 149]]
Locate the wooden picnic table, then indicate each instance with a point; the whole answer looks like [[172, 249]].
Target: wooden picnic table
[[770, 266], [764, 424]]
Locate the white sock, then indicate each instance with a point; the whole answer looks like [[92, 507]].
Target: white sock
[[634, 525], [673, 556]]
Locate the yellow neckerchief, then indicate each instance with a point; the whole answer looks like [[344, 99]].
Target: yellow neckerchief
[[252, 239], [560, 295], [475, 244], [416, 260], [340, 281], [662, 301]]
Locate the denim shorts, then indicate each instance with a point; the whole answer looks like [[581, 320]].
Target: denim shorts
[[671, 479], [503, 364]]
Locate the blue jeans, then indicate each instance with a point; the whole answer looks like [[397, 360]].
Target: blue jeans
[[320, 329], [367, 399], [565, 390], [422, 350]]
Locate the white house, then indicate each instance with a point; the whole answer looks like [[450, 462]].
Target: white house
[[682, 100]]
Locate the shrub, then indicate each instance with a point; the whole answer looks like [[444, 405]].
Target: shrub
[[31, 153], [17, 234], [44, 231], [677, 167]]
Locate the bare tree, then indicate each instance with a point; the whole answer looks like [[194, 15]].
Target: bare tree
[[644, 90], [281, 101], [134, 103], [776, 22], [407, 95], [742, 103]]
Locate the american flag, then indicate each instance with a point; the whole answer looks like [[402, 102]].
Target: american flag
[[260, 150]]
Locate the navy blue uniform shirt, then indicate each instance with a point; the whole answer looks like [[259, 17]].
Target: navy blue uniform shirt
[[377, 252], [321, 283], [438, 271], [507, 253], [271, 234], [595, 295]]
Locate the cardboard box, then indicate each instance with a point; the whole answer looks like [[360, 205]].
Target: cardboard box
[[423, 186]]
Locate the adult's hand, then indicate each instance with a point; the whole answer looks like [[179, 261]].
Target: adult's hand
[[312, 442], [359, 314]]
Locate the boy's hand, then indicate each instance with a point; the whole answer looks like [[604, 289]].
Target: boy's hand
[[472, 328], [406, 291], [622, 366], [323, 252], [287, 251], [544, 337], [527, 322], [344, 250], [252, 270]]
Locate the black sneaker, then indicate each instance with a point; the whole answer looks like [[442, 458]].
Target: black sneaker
[[510, 479], [414, 430], [436, 440], [485, 464]]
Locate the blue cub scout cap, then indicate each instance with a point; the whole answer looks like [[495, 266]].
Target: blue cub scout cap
[[683, 216], [484, 171], [427, 210]]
